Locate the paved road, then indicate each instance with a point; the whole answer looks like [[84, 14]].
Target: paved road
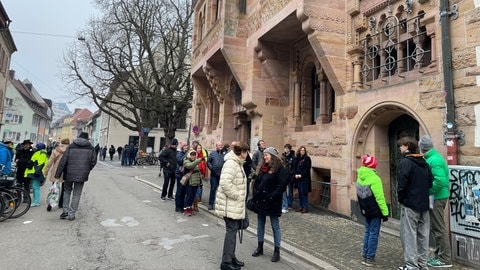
[[321, 238]]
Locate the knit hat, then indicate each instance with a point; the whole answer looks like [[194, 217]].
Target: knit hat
[[40, 146], [174, 142], [369, 161], [271, 150], [83, 135], [425, 143]]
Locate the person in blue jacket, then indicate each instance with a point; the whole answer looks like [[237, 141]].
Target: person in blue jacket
[[6, 156]]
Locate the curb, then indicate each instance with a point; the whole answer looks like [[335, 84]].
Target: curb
[[297, 253]]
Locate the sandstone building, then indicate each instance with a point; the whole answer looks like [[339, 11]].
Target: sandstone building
[[343, 78]]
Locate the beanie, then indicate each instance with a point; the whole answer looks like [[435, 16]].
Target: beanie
[[174, 142], [271, 150], [369, 161], [425, 143]]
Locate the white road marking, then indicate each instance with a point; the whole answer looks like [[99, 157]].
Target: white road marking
[[168, 243]]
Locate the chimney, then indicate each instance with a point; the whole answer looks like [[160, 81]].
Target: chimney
[[12, 74]]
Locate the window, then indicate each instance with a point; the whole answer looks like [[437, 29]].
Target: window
[[242, 6], [15, 119], [395, 46]]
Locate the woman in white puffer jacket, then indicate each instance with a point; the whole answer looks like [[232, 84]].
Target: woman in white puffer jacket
[[230, 201]]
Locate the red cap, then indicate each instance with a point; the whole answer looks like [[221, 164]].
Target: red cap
[[369, 161]]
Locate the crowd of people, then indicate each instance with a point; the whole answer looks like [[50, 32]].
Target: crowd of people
[[68, 164], [268, 180]]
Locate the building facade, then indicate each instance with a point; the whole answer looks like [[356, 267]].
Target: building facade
[[7, 48], [26, 115], [343, 78]]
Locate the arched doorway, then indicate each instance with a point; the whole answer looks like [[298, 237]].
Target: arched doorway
[[402, 126]]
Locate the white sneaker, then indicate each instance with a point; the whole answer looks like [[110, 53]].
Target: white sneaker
[[284, 211]]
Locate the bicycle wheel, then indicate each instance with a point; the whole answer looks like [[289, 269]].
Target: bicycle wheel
[[22, 199], [142, 161], [9, 205], [153, 161]]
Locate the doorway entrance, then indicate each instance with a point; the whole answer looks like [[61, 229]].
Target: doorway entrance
[[402, 126]]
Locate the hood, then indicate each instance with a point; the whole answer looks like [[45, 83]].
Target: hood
[[231, 156], [81, 142], [363, 173], [418, 159]]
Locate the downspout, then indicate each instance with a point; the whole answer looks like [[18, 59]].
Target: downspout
[[451, 136]]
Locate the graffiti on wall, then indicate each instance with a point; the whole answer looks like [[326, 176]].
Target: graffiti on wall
[[465, 200], [465, 213]]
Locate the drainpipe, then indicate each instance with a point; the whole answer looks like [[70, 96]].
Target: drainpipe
[[451, 137]]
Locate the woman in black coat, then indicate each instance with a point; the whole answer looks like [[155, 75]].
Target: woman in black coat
[[268, 188], [303, 178]]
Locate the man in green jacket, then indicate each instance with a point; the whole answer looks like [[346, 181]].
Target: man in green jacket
[[441, 192]]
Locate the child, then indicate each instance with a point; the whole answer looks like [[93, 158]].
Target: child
[[373, 206]]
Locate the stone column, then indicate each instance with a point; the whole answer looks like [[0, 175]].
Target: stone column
[[297, 102]]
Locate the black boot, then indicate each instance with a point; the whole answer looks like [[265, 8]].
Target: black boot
[[236, 262], [229, 266], [259, 250], [276, 255]]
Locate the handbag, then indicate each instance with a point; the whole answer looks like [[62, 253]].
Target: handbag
[[185, 178], [245, 222], [251, 205]]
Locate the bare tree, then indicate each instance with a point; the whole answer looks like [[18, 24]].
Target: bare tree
[[134, 62]]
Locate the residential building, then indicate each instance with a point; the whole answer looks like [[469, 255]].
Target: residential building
[[7, 48], [27, 114]]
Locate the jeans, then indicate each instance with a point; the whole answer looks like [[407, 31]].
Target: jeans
[[230, 241], [439, 233], [275, 222], [71, 207], [370, 238], [284, 201], [302, 195], [36, 190], [290, 193], [180, 195], [214, 181], [191, 194], [414, 230], [168, 184]]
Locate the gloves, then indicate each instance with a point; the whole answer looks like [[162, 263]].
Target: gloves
[[384, 218]]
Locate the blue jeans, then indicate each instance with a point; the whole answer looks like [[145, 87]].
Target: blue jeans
[[370, 238], [302, 196], [214, 181], [191, 194], [290, 193], [277, 234], [284, 201]]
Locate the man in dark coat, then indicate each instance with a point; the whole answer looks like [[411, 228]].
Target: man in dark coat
[[76, 164], [414, 180], [169, 160], [22, 159]]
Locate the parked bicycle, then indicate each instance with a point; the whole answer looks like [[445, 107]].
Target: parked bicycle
[[149, 159], [14, 200]]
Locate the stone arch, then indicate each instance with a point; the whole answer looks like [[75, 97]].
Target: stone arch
[[371, 137]]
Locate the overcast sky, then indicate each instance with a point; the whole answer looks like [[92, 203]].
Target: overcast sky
[[42, 30]]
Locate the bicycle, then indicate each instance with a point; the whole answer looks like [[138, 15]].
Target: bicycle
[[15, 201], [149, 159]]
